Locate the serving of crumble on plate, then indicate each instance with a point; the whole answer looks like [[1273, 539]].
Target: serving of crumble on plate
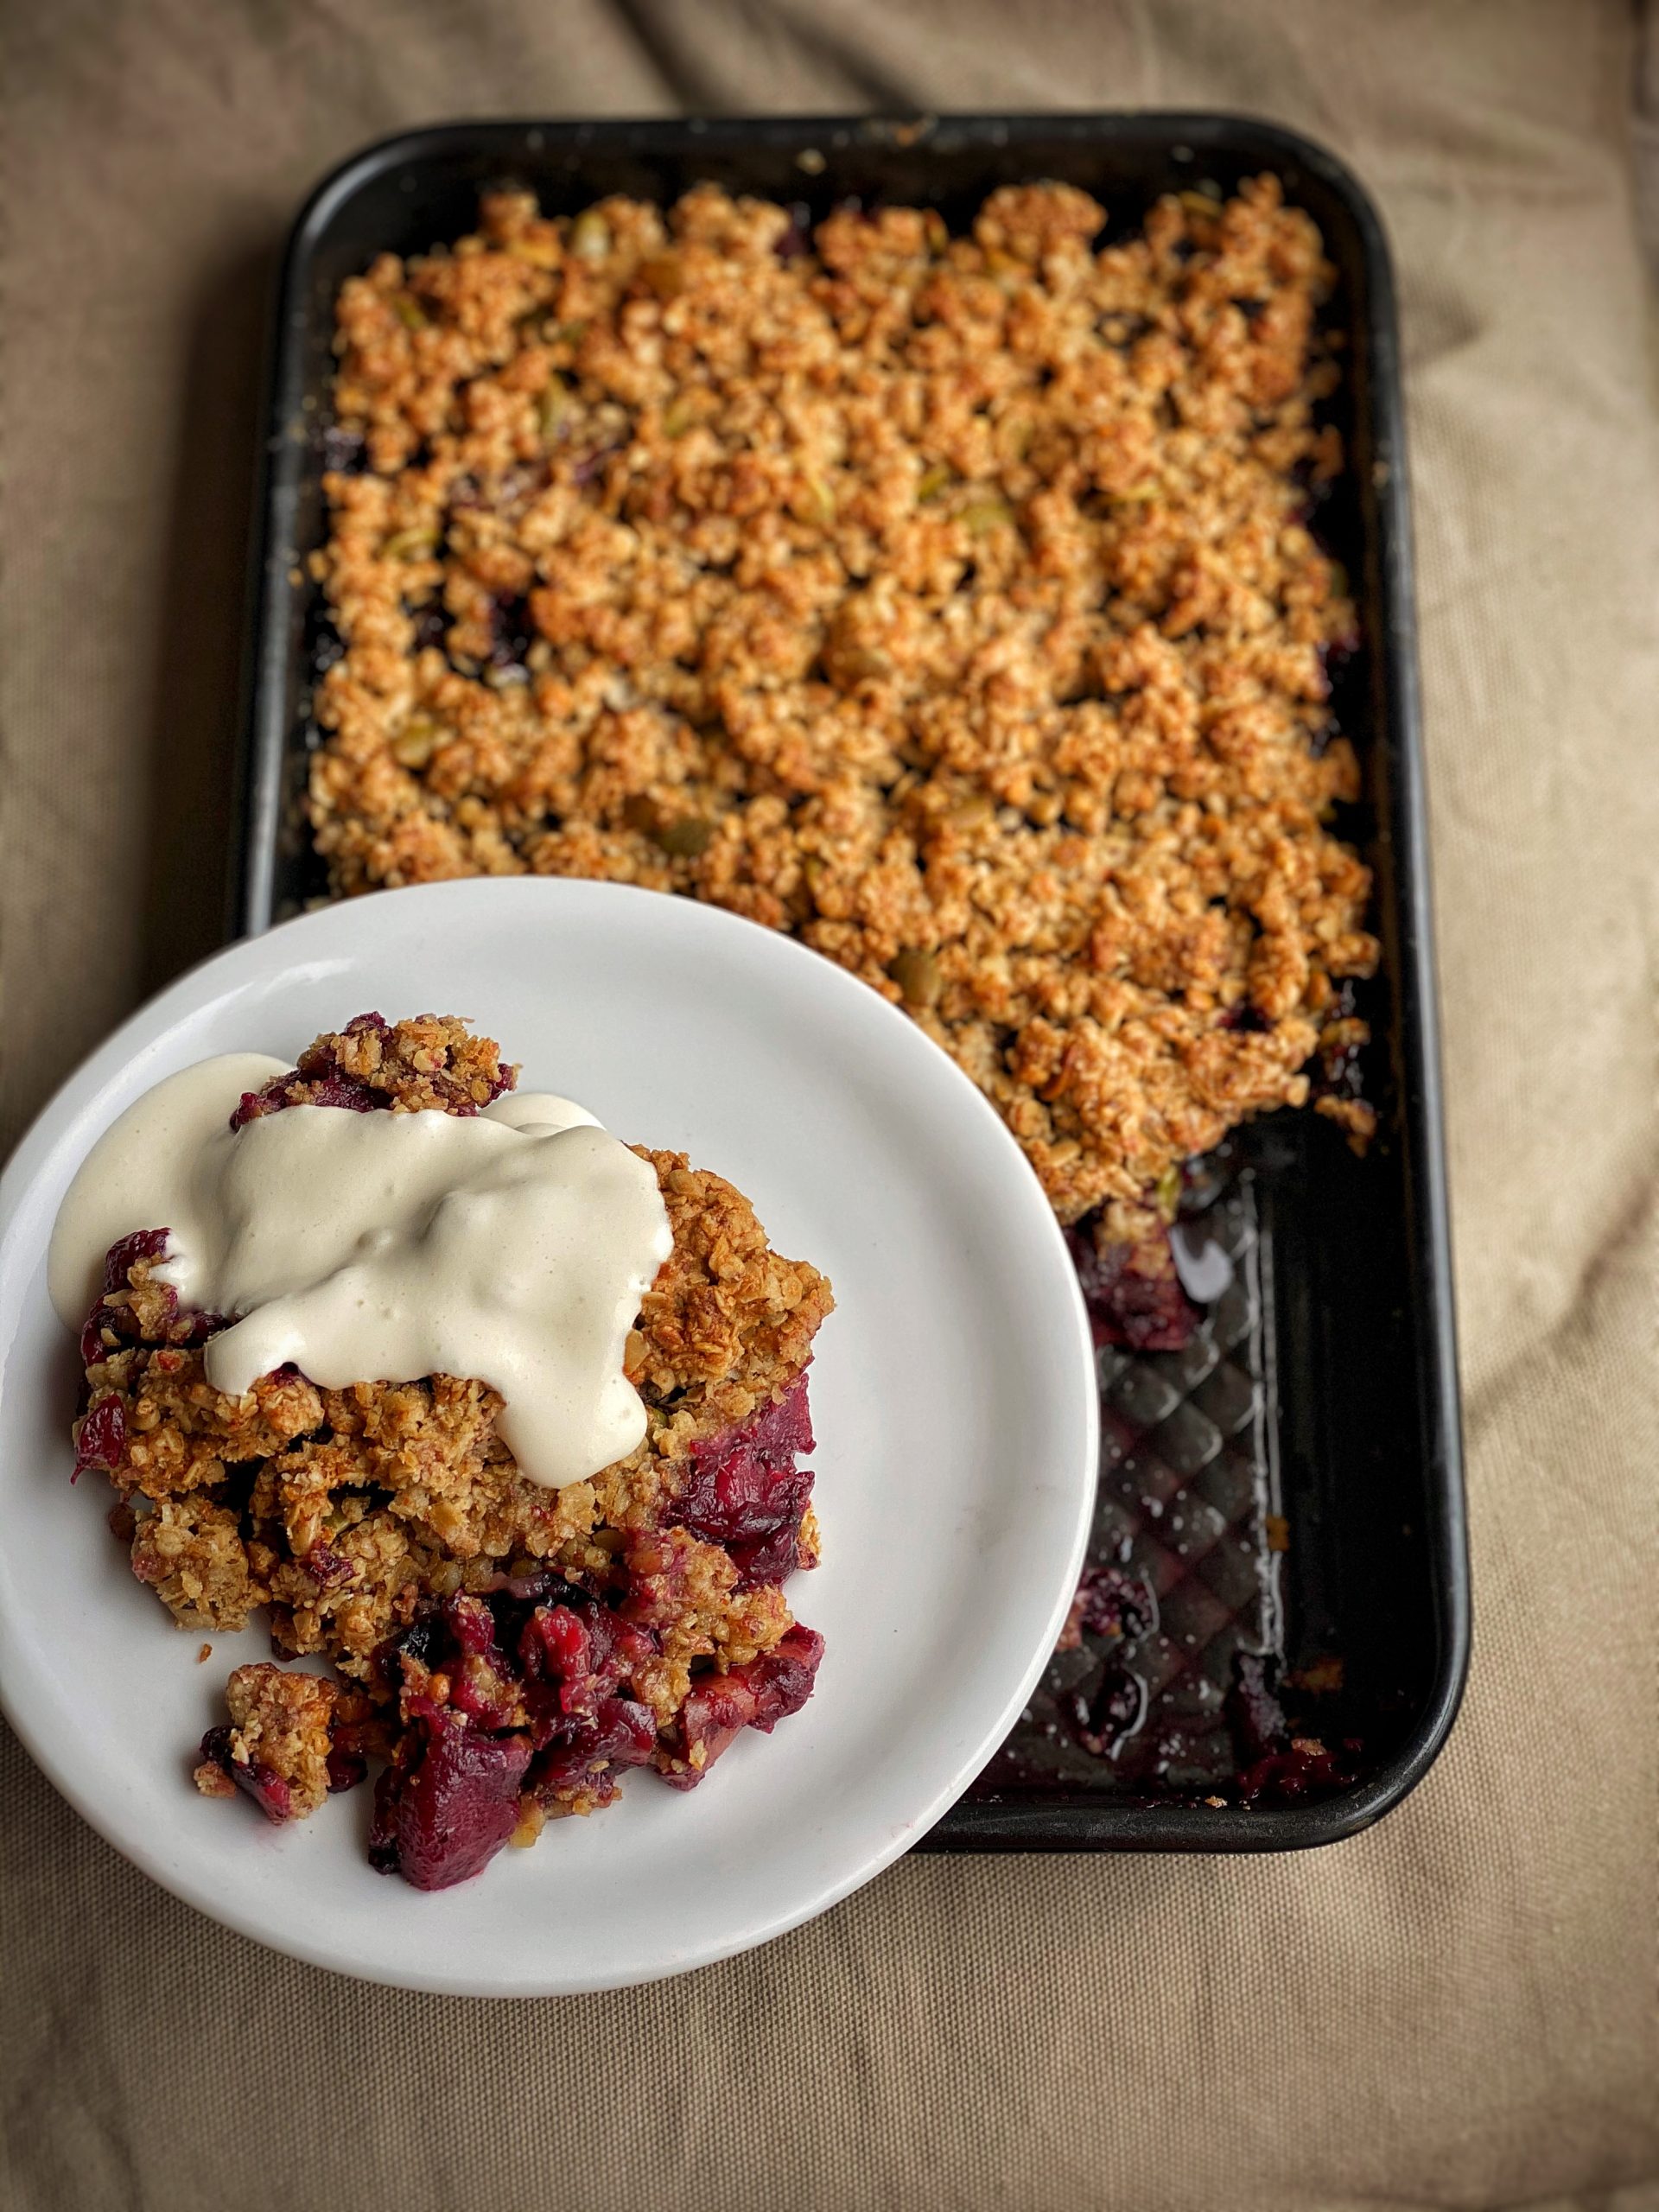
[[508, 1649]]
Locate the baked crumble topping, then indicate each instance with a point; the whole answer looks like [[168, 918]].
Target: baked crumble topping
[[947, 600]]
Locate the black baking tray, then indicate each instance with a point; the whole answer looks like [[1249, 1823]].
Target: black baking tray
[[1289, 1490]]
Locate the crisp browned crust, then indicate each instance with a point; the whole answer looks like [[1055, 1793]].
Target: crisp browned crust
[[947, 601]]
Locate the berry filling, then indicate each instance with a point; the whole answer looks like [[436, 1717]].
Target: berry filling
[[1276, 1765], [447, 1803], [521, 1697], [1132, 1299], [758, 1695], [747, 1493]]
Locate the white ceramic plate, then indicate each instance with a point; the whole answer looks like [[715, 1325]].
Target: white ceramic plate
[[953, 1398]]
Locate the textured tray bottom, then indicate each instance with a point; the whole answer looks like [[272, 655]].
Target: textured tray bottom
[[1184, 1548]]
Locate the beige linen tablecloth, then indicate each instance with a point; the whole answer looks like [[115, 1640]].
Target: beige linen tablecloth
[[1459, 2008]]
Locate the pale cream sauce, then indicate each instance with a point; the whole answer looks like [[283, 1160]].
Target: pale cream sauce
[[514, 1246]]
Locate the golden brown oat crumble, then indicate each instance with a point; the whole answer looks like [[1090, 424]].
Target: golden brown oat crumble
[[946, 601], [191, 1552]]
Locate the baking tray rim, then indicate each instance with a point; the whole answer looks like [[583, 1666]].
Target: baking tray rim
[[997, 1824]]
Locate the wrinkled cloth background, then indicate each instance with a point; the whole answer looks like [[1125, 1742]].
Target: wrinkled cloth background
[[1459, 2008]]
